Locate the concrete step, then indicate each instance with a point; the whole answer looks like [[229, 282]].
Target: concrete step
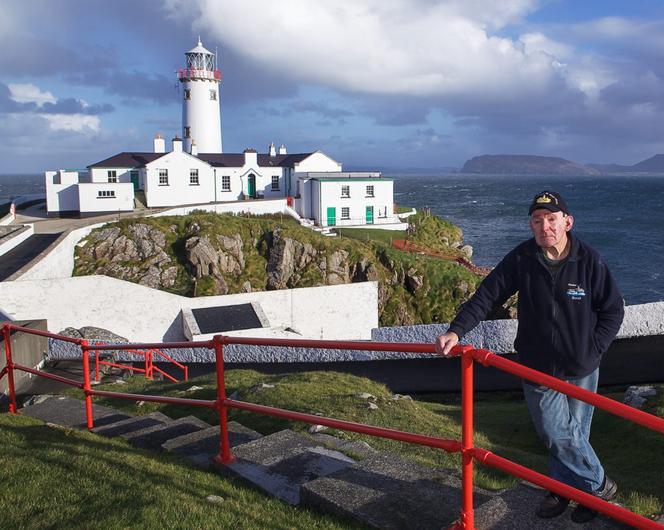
[[201, 445], [153, 437], [69, 412], [385, 491], [280, 463], [131, 424], [514, 509]]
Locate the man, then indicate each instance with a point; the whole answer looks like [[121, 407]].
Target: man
[[569, 312]]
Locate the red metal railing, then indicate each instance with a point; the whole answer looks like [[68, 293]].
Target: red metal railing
[[199, 73], [148, 360], [469, 453]]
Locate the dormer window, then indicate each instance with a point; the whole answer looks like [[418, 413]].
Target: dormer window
[[112, 176]]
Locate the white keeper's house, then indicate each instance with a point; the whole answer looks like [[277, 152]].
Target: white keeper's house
[[195, 171]]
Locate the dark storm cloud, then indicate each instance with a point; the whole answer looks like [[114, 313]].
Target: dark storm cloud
[[135, 88], [62, 106], [75, 106], [7, 104]]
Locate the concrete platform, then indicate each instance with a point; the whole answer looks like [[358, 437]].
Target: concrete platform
[[201, 445], [514, 509], [387, 492], [282, 462], [70, 412]]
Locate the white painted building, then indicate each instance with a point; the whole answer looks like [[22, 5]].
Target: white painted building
[[346, 199], [195, 171]]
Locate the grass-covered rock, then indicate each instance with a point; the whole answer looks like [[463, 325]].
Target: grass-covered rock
[[207, 254]]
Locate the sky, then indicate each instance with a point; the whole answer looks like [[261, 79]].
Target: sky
[[373, 83]]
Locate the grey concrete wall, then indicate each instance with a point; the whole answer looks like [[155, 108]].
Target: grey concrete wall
[[28, 350], [496, 335]]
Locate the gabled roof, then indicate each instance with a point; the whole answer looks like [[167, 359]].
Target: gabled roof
[[132, 160], [264, 160], [128, 160]]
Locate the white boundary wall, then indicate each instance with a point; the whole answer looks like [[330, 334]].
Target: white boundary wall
[[59, 262], [16, 240], [257, 207], [142, 314]]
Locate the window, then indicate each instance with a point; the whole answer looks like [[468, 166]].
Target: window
[[345, 213], [112, 176], [345, 191], [187, 132], [187, 93], [225, 183], [370, 191], [193, 177], [106, 194], [213, 95], [275, 182], [163, 177]]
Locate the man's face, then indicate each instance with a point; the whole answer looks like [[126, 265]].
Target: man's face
[[550, 228]]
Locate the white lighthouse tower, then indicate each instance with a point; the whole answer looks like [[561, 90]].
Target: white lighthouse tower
[[201, 119]]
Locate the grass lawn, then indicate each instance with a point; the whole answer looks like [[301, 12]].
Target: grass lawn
[[633, 455], [369, 234], [61, 478]]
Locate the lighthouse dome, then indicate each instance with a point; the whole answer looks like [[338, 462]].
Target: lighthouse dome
[[199, 48]]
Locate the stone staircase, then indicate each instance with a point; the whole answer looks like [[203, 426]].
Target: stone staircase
[[351, 479]]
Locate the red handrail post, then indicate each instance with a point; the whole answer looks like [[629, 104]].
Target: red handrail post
[[10, 368], [97, 365], [467, 449], [225, 456], [87, 389]]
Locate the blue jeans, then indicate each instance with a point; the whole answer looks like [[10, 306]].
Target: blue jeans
[[563, 424]]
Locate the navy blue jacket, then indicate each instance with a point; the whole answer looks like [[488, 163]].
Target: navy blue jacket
[[564, 325]]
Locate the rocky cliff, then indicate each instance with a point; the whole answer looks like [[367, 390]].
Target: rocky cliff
[[205, 254]]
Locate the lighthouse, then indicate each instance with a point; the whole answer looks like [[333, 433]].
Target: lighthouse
[[201, 119]]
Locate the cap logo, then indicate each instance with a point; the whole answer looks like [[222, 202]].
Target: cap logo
[[545, 199]]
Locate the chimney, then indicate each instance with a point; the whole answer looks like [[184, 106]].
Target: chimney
[[250, 157], [177, 144], [159, 144], [282, 149], [194, 148], [272, 149]]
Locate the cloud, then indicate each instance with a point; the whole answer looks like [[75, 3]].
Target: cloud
[[402, 47], [29, 93], [72, 122]]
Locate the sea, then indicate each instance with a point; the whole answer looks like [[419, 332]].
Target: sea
[[622, 217]]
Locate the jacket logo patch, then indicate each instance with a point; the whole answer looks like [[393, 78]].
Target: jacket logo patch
[[575, 292]]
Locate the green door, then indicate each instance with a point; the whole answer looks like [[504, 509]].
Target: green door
[[331, 216], [369, 215], [251, 186], [134, 179]]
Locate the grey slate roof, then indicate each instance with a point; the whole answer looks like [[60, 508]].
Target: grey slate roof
[[264, 160], [128, 159]]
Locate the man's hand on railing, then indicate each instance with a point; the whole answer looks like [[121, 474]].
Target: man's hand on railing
[[444, 344]]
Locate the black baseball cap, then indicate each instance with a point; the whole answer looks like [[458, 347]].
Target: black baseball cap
[[549, 200]]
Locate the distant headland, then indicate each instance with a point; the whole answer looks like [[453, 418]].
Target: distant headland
[[549, 165]]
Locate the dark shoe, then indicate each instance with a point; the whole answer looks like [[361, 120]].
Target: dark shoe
[[552, 506], [581, 514]]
